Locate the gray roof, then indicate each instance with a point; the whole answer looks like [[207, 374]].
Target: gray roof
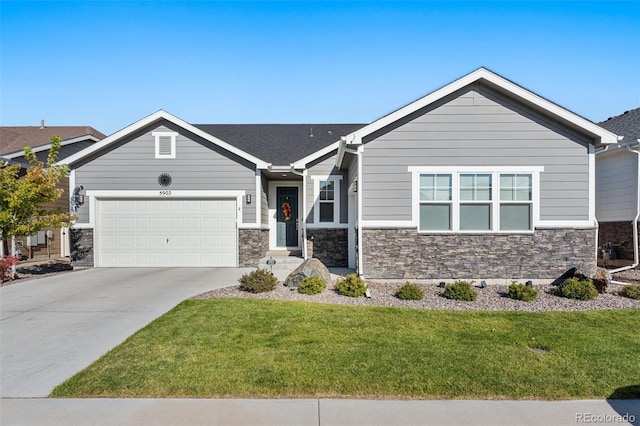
[[15, 138], [626, 124], [279, 144]]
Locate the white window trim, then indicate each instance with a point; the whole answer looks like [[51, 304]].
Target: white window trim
[[173, 136], [316, 200], [455, 172]]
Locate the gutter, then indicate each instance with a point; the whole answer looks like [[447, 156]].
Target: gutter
[[635, 219]]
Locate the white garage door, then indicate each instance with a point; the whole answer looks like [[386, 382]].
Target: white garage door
[[161, 233]]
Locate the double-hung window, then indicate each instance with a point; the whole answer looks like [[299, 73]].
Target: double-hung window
[[516, 202], [475, 202], [469, 200], [435, 202], [327, 199]]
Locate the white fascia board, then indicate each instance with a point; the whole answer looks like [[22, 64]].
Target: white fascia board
[[48, 146], [482, 74], [159, 115], [302, 163]]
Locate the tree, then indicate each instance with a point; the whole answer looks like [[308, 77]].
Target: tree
[[24, 199]]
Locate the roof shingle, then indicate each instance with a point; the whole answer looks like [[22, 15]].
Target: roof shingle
[[15, 138], [626, 124], [279, 144]]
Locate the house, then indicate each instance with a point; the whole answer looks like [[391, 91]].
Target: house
[[618, 188], [479, 179], [49, 242]]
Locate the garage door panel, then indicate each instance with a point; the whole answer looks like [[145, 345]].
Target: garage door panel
[[166, 233]]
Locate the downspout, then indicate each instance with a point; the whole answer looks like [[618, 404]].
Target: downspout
[[635, 219], [304, 209]]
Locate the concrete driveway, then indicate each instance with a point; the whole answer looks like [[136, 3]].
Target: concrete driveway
[[53, 327]]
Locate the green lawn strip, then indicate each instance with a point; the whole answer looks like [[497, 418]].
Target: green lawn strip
[[277, 349]]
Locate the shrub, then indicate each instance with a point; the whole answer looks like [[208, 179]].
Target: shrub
[[522, 292], [632, 291], [6, 263], [351, 285], [258, 281], [312, 285], [409, 292], [573, 288], [460, 290]]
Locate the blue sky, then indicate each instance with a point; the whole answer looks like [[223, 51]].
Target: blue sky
[[109, 64]]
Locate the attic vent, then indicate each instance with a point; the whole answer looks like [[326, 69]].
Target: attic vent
[[165, 144]]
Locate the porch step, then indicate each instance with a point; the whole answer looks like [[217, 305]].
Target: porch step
[[286, 262]]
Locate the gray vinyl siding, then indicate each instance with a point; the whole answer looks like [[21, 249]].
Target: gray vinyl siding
[[199, 165], [475, 127], [326, 166], [616, 186]]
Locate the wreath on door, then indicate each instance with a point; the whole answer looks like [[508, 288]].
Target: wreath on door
[[286, 210]]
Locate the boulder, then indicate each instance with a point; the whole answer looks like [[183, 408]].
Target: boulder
[[308, 268], [601, 277]]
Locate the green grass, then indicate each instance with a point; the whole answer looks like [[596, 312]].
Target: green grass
[[276, 349]]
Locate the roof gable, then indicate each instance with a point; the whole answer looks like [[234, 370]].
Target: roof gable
[[157, 117], [482, 75]]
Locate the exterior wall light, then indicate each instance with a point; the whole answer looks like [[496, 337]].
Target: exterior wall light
[[248, 198]]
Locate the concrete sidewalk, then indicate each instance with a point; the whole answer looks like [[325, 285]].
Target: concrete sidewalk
[[313, 412]]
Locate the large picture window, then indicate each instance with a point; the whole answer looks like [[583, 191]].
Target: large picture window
[[483, 201]]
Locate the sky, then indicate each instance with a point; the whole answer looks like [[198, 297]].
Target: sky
[[110, 64]]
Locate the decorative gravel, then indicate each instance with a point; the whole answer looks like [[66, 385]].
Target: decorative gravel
[[492, 298]]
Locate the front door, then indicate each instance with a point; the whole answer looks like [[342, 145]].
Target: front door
[[287, 217]]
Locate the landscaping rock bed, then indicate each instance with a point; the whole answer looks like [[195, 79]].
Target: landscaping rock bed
[[492, 298], [25, 273]]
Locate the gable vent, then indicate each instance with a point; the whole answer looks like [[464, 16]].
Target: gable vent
[[164, 146]]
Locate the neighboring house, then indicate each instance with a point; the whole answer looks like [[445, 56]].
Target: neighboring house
[[13, 140], [617, 187], [479, 179]]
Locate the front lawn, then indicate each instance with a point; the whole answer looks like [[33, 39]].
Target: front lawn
[[274, 349]]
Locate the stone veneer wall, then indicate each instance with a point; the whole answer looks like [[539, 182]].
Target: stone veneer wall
[[330, 246], [253, 245], [81, 247], [405, 254], [616, 233]]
